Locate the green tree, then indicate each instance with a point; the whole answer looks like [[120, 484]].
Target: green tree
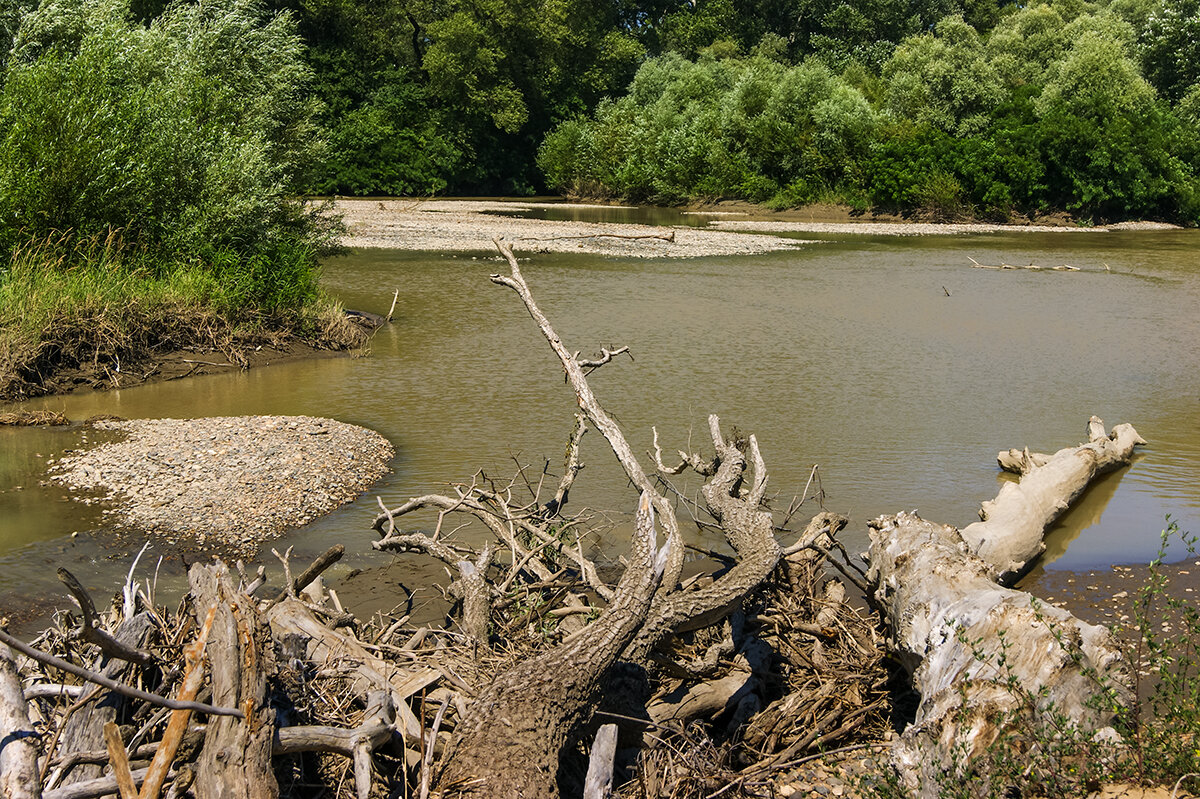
[[188, 136], [1170, 47], [944, 79], [1106, 139]]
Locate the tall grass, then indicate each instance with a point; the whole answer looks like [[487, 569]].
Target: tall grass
[[68, 302]]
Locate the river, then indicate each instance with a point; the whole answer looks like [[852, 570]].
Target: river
[[889, 362]]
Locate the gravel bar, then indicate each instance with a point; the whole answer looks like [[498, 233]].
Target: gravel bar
[[224, 484], [470, 226]]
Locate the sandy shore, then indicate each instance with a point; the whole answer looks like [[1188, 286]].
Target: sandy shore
[[224, 484], [470, 225], [466, 225], [920, 228]]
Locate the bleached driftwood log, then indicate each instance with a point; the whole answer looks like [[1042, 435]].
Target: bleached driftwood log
[[983, 656], [18, 741], [1010, 533], [979, 652]]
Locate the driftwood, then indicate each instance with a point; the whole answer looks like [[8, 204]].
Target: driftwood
[[236, 759], [598, 784], [18, 748], [731, 667], [984, 656], [1030, 266], [1009, 535]]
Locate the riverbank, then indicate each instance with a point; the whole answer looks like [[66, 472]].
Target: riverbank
[[470, 225], [730, 229]]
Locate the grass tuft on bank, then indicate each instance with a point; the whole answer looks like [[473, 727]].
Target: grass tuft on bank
[[99, 306]]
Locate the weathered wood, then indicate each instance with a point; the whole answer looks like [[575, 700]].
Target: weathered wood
[[512, 737], [177, 725], [93, 788], [741, 683], [19, 778], [749, 530], [118, 759], [598, 783], [1010, 533], [357, 744], [84, 729], [314, 570], [235, 762], [88, 631], [969, 642], [596, 414], [376, 728], [366, 672]]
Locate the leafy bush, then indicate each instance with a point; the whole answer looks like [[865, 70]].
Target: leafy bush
[[712, 128], [147, 185], [188, 135]]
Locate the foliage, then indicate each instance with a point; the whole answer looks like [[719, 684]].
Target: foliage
[[1047, 110], [1106, 139], [944, 79], [148, 174], [1169, 47], [188, 135], [715, 127]]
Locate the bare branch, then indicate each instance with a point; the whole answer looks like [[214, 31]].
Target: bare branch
[[606, 355], [113, 685], [571, 468], [596, 414], [88, 631]]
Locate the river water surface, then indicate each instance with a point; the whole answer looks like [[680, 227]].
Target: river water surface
[[889, 362]]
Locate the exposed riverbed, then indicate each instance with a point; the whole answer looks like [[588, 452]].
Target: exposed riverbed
[[890, 362]]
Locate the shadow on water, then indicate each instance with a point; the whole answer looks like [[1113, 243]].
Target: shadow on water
[[848, 354]]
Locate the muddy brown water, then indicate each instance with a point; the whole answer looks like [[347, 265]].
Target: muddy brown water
[[847, 354]]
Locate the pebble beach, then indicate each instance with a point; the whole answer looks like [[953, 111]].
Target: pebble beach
[[223, 484]]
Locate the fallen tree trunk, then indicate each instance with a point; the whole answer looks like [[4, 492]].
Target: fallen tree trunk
[[988, 660], [1010, 532], [510, 742]]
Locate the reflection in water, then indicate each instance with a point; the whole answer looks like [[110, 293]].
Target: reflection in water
[[847, 354]]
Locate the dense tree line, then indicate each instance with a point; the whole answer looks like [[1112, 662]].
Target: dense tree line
[[1089, 107], [1063, 105]]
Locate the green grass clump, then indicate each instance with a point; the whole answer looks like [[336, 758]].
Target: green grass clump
[[69, 303]]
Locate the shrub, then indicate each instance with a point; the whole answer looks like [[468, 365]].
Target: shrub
[[187, 135]]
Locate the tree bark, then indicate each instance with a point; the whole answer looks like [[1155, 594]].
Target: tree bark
[[19, 777], [235, 762], [512, 737]]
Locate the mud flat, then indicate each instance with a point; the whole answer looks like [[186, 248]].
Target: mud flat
[[224, 484], [467, 225]]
